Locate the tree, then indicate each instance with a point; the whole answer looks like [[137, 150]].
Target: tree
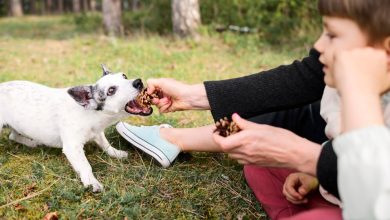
[[16, 8], [185, 18], [93, 5], [85, 4], [32, 7], [49, 6], [135, 5], [60, 7], [112, 17], [76, 6]]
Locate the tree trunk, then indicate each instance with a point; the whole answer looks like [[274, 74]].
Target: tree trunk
[[42, 6], [60, 8], [93, 5], [85, 5], [185, 18], [49, 6], [16, 8], [112, 17], [76, 6], [33, 7], [134, 5]]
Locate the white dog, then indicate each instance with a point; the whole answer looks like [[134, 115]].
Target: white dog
[[69, 117]]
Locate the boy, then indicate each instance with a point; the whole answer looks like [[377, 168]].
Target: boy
[[346, 27]]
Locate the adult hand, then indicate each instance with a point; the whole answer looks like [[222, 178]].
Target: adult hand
[[269, 146], [297, 186], [177, 96], [361, 69]]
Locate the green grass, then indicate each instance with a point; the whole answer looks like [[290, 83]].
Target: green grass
[[55, 52]]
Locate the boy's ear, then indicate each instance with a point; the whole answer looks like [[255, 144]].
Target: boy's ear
[[387, 45], [387, 48]]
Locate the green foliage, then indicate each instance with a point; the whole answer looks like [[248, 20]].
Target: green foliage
[[153, 16], [276, 20], [3, 8], [88, 22]]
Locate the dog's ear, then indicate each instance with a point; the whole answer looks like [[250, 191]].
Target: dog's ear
[[105, 70], [83, 95]]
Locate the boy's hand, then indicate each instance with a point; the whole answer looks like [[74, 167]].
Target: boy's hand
[[361, 76], [297, 186], [362, 69]]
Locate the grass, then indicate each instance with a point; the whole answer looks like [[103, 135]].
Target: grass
[[55, 52]]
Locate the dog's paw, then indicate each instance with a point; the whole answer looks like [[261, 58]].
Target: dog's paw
[[119, 154], [94, 184]]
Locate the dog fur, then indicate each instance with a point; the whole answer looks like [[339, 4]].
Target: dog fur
[[69, 117]]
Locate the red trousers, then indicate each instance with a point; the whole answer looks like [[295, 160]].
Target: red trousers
[[267, 185]]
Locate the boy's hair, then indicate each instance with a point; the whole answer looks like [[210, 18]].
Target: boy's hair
[[372, 16]]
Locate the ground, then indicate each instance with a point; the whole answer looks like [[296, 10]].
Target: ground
[[55, 52]]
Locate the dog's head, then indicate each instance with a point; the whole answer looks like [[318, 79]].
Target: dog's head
[[112, 93]]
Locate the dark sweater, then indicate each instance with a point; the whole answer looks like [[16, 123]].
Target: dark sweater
[[281, 88]]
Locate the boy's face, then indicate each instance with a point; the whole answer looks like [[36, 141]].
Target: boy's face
[[338, 34]]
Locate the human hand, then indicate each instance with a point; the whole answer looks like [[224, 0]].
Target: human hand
[[361, 69], [361, 76], [297, 186], [177, 96], [265, 145]]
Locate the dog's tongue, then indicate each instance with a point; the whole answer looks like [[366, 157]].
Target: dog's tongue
[[134, 108]]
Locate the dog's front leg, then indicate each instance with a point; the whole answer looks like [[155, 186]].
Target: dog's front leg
[[78, 160], [103, 143]]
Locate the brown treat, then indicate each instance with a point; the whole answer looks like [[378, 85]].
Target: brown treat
[[144, 99], [226, 128]]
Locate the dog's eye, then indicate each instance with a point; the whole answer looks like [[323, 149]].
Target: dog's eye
[[111, 91], [124, 76]]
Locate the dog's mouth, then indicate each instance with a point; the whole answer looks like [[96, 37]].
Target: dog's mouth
[[133, 107]]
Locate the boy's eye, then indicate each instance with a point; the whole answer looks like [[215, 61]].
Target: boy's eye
[[111, 91], [330, 35], [124, 76]]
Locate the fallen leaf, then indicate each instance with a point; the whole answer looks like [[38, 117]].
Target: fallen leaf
[[19, 207], [51, 216]]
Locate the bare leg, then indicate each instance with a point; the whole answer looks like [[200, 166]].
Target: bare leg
[[103, 143], [192, 139], [15, 136]]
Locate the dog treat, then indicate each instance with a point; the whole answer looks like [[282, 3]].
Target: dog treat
[[226, 127], [144, 99]]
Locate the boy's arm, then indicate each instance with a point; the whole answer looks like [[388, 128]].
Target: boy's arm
[[364, 164], [363, 151]]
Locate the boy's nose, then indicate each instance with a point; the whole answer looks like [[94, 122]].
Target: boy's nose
[[138, 84], [319, 44]]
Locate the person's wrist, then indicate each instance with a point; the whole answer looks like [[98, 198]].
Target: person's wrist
[[306, 157], [197, 97]]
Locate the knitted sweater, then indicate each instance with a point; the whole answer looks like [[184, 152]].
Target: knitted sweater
[[281, 88]]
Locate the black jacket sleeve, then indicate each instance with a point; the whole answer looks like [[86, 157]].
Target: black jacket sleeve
[[327, 169], [284, 87]]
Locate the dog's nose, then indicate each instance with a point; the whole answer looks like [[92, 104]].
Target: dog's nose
[[138, 84]]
